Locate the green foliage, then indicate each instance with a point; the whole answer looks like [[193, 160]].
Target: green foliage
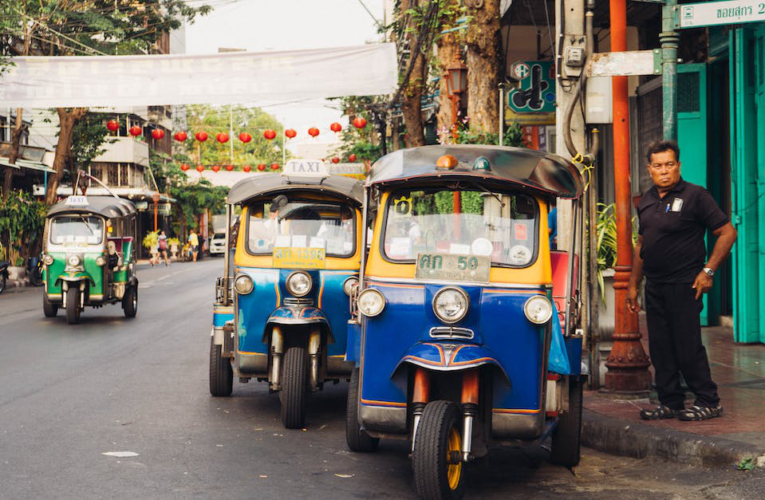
[[746, 464], [193, 199], [87, 140], [21, 223], [151, 239], [513, 135], [606, 241]]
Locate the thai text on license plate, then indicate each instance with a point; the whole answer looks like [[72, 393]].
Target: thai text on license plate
[[448, 267]]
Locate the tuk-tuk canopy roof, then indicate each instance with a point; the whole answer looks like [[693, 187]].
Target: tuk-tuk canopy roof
[[261, 184], [105, 206], [543, 173]]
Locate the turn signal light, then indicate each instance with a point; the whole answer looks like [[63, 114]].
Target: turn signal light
[[447, 162]]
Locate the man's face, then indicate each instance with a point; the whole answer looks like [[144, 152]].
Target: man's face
[[664, 169]]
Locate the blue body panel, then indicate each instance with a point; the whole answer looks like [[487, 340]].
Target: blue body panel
[[501, 333], [221, 315], [574, 351], [266, 302]]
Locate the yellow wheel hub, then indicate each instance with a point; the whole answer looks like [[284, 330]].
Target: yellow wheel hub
[[454, 470]]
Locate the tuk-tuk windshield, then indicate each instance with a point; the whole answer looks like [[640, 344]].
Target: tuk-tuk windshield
[[77, 229], [294, 223], [464, 222]]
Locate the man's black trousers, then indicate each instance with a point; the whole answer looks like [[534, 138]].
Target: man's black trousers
[[674, 339]]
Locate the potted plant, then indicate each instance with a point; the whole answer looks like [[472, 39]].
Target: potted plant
[[151, 242], [174, 243]]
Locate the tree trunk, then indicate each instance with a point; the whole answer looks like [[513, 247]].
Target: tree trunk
[[484, 65], [67, 119], [448, 53], [411, 101], [18, 130]]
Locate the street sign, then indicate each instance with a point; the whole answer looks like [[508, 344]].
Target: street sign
[[627, 63], [533, 101], [694, 15]]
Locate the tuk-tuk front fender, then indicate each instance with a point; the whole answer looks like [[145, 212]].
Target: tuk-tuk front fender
[[300, 316], [449, 357], [73, 277]]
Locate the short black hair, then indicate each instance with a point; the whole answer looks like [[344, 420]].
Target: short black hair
[[661, 147]]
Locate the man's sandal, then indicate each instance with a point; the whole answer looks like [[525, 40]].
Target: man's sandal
[[697, 413], [661, 412]]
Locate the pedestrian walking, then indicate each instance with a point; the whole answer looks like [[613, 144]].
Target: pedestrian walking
[[674, 217], [162, 247], [194, 245]]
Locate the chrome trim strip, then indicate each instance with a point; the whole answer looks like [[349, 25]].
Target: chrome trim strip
[[451, 332]]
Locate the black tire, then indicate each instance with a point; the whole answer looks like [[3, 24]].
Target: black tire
[[358, 440], [50, 310], [73, 305], [566, 438], [294, 393], [221, 373], [3, 280], [130, 302], [438, 435], [35, 277]]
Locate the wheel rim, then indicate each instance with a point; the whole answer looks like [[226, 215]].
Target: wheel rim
[[454, 470]]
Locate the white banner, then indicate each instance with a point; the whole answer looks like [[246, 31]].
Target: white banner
[[227, 78]]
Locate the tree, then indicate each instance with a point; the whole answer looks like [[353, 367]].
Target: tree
[[448, 45], [484, 65]]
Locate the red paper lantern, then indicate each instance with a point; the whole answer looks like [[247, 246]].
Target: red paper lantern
[[335, 160], [245, 137], [135, 131], [274, 166], [336, 127], [216, 168], [158, 133], [247, 168], [261, 166], [222, 137], [112, 126], [180, 136], [290, 133], [184, 167], [200, 168], [201, 137], [313, 131], [351, 157], [269, 134], [359, 122], [229, 167]]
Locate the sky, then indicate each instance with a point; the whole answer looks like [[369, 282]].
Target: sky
[[264, 25]]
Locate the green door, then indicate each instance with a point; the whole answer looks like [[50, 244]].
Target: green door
[[692, 131], [748, 179]]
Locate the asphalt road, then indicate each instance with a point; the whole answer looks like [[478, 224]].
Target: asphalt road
[[71, 394]]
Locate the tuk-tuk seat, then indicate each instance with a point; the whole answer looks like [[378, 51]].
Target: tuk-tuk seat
[[559, 263], [124, 247]]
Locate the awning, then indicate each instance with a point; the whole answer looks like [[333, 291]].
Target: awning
[[28, 164]]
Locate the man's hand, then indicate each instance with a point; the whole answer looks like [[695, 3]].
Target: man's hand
[[632, 299], [702, 284]]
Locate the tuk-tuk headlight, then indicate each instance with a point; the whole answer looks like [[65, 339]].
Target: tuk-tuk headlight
[[371, 302], [538, 309], [299, 283], [74, 260], [48, 259], [451, 304], [100, 261], [243, 284], [349, 284]]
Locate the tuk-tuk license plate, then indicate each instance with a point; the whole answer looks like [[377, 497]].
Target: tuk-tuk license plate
[[298, 258], [448, 267]]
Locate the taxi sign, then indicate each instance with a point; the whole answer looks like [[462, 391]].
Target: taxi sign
[[298, 258], [305, 168], [77, 201]]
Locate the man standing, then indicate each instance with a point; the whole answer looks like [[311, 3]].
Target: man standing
[[674, 217]]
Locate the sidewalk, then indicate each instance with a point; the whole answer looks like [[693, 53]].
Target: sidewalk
[[613, 425]]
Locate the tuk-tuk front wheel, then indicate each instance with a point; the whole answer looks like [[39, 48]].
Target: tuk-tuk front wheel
[[49, 309], [438, 471], [355, 436], [294, 393], [130, 302], [221, 373], [73, 305], [566, 437]]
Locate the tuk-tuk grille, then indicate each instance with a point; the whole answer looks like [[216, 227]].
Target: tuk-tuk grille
[[451, 332], [294, 301]]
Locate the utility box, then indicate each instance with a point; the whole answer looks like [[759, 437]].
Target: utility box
[[599, 102]]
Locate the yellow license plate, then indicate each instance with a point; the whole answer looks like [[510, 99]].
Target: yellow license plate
[[298, 258]]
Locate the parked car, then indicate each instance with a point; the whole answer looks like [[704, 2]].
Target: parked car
[[218, 244]]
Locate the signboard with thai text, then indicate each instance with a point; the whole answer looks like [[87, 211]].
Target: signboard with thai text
[[694, 15]]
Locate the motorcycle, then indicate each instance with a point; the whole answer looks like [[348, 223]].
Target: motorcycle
[[3, 274]]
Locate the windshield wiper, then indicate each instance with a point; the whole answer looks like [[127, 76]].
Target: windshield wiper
[[87, 224]]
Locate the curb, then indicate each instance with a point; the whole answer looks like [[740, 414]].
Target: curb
[[624, 438]]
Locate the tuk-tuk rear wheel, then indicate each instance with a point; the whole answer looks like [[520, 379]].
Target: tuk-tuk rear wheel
[[50, 310], [438, 443], [221, 373], [566, 437], [294, 391], [73, 305], [358, 440]]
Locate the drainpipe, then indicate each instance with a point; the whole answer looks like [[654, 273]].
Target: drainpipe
[[627, 364], [670, 39]]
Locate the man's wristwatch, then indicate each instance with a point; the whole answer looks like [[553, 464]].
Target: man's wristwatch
[[710, 272]]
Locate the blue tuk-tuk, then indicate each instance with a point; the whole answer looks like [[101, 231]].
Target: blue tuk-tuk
[[457, 338], [282, 315]]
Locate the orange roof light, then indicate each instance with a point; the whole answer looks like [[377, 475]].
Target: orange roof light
[[447, 162]]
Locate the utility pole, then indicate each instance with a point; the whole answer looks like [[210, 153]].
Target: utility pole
[[670, 39]]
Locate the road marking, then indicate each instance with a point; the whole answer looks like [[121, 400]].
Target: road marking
[[120, 454]]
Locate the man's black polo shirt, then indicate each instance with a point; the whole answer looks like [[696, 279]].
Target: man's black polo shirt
[[673, 230]]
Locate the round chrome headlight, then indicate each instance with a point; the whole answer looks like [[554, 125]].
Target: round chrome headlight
[[371, 302], [100, 260], [299, 283], [48, 259], [74, 260], [349, 284], [243, 284], [538, 309], [451, 304]]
